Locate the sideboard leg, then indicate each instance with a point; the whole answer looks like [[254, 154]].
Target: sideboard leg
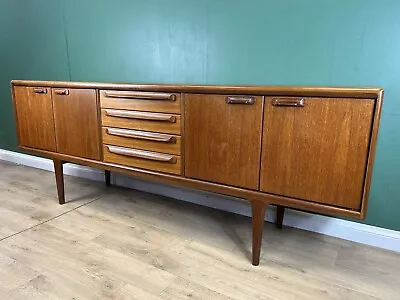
[[107, 175], [280, 212], [258, 215], [58, 169]]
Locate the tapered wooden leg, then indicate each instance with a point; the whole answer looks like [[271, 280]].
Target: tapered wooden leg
[[258, 215], [58, 169], [280, 212], [107, 175]]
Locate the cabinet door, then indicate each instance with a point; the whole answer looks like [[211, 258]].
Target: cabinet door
[[316, 152], [223, 139], [77, 122], [35, 122]]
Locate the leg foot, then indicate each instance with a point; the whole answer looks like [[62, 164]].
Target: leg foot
[[58, 169], [107, 175], [280, 212], [258, 215]]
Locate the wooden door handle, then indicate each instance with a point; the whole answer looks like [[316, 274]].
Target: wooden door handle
[[63, 92], [140, 115], [240, 100], [40, 91], [141, 135], [288, 102], [143, 154], [141, 95]]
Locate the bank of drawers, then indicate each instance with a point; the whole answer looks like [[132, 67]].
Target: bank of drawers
[[142, 129]]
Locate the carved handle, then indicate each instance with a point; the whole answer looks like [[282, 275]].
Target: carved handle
[[141, 95], [240, 100], [141, 135], [63, 92], [140, 115], [40, 91], [143, 154], [288, 102]]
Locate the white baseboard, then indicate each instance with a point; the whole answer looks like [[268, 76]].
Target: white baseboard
[[357, 232]]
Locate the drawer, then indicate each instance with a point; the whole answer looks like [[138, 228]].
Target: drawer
[[145, 140], [144, 101], [147, 121], [155, 161]]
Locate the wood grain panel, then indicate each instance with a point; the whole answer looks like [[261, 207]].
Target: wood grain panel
[[223, 141], [163, 126], [173, 167], [317, 152], [126, 138], [143, 101], [34, 114], [77, 122]]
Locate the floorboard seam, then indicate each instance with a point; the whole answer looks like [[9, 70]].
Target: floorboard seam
[[55, 217]]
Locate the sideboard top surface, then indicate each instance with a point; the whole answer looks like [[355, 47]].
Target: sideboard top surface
[[351, 92]]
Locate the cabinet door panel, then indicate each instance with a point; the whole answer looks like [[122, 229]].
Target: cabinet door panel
[[223, 141], [35, 122], [317, 152], [77, 122]]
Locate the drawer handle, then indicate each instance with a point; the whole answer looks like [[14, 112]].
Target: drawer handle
[[240, 100], [289, 102], [143, 154], [140, 115], [141, 96], [40, 91], [141, 135], [63, 92]]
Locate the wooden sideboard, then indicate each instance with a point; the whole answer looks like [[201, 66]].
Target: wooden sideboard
[[308, 148]]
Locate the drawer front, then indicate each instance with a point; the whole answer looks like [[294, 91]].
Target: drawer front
[[159, 142], [144, 101], [166, 163], [146, 121]]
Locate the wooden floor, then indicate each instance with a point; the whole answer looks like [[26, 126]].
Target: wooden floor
[[113, 243]]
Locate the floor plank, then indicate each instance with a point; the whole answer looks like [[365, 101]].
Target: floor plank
[[181, 289], [28, 197], [114, 243]]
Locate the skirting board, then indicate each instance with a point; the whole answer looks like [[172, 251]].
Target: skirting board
[[357, 232]]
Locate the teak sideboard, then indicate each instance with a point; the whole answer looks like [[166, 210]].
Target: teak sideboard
[[308, 148]]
